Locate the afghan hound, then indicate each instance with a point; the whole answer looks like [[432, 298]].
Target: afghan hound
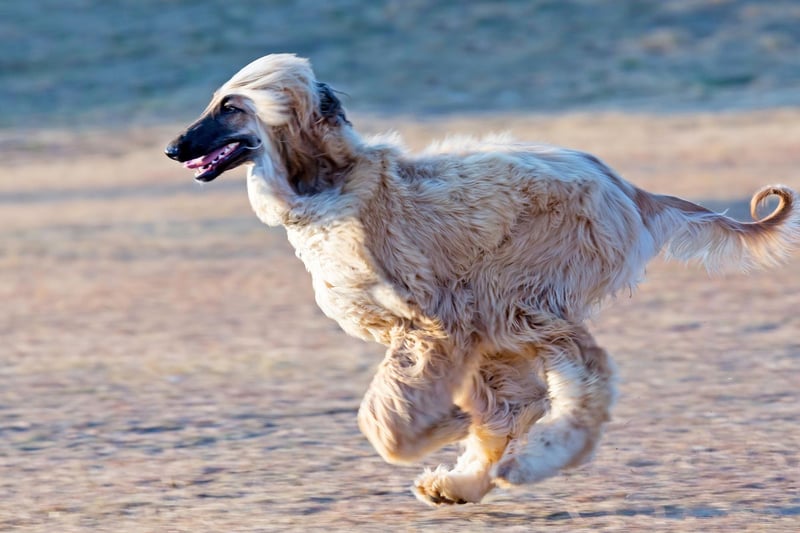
[[475, 263]]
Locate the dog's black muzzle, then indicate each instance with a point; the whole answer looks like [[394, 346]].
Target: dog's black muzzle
[[211, 146]]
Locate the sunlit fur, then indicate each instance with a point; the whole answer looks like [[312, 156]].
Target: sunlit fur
[[476, 263]]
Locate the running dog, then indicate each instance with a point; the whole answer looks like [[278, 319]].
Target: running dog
[[475, 263]]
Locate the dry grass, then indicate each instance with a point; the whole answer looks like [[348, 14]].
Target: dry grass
[[164, 367]]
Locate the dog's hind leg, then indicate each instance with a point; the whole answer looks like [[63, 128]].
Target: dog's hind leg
[[580, 384], [409, 410], [506, 395]]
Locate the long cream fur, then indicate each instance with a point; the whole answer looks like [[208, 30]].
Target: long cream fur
[[476, 264]]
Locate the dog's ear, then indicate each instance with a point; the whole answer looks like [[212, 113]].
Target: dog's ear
[[329, 105]]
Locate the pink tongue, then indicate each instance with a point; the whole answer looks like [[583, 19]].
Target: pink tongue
[[204, 160]]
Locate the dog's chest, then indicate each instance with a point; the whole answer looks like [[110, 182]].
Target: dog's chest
[[348, 284]]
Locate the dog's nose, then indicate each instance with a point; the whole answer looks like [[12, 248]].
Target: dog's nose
[[173, 150]]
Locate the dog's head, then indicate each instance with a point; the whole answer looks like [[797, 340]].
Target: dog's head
[[273, 108]]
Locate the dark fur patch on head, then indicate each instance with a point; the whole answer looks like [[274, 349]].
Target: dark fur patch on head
[[330, 106]]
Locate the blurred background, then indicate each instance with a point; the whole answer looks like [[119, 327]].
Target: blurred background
[[83, 61], [163, 365]]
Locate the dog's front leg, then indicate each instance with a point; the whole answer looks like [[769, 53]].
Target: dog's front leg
[[408, 410], [469, 480]]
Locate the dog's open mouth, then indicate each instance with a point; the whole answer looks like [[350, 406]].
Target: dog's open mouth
[[209, 166]]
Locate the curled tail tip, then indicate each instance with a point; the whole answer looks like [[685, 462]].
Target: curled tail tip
[[787, 202], [722, 243], [780, 228]]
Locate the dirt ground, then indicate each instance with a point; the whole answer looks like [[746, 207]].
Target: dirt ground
[[164, 367]]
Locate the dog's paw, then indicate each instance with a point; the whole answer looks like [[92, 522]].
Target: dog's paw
[[520, 470], [447, 487], [508, 472], [434, 487]]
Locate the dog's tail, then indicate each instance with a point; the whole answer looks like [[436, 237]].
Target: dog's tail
[[688, 231]]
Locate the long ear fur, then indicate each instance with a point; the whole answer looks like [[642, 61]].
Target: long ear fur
[[304, 142], [329, 105]]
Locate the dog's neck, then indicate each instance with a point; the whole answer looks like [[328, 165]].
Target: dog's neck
[[291, 171], [271, 196]]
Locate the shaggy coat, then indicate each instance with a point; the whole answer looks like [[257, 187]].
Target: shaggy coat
[[475, 263]]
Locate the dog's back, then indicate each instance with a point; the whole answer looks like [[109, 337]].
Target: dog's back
[[511, 225]]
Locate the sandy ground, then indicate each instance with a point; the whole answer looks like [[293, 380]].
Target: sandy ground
[[164, 367]]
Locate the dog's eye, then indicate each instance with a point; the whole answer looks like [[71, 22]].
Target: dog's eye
[[228, 107]]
